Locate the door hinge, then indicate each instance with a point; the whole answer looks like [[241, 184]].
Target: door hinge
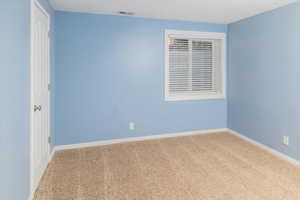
[[49, 140], [49, 86]]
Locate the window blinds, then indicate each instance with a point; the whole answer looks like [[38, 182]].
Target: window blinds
[[194, 66]]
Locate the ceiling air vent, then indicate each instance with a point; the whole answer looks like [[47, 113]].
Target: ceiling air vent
[[126, 13]]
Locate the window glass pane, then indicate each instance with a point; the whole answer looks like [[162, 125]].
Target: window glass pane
[[178, 65], [202, 66]]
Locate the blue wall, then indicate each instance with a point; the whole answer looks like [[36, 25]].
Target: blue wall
[[14, 106], [263, 77], [110, 71]]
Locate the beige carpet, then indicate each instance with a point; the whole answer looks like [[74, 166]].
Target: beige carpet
[[204, 167]]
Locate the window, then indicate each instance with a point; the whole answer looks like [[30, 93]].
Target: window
[[194, 65]]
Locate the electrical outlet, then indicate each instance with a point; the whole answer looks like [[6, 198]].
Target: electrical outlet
[[131, 126], [286, 140]]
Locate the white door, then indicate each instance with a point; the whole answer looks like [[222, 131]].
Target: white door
[[40, 94]]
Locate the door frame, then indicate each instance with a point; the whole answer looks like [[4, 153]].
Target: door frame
[[36, 3]]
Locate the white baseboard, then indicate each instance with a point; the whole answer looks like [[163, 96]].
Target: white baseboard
[[169, 135], [31, 195], [51, 155], [266, 148], [133, 139]]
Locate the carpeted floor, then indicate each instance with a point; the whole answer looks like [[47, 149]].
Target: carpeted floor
[[203, 167]]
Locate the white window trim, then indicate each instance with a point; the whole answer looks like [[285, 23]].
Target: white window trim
[[200, 35]]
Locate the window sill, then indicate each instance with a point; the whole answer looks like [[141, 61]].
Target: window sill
[[193, 98]]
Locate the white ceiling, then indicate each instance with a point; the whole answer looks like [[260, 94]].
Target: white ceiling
[[213, 11]]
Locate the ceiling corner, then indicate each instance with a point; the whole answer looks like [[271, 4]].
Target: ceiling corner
[[53, 4]]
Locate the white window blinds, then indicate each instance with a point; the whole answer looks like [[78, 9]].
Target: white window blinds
[[194, 67]]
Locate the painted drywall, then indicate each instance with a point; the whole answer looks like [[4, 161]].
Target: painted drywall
[[263, 78], [15, 99], [110, 71], [14, 106]]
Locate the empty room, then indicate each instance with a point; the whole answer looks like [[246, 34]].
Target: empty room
[[149, 100]]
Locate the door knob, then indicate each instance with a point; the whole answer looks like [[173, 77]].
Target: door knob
[[37, 108]]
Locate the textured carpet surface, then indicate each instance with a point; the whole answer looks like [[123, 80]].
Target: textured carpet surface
[[202, 167]]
